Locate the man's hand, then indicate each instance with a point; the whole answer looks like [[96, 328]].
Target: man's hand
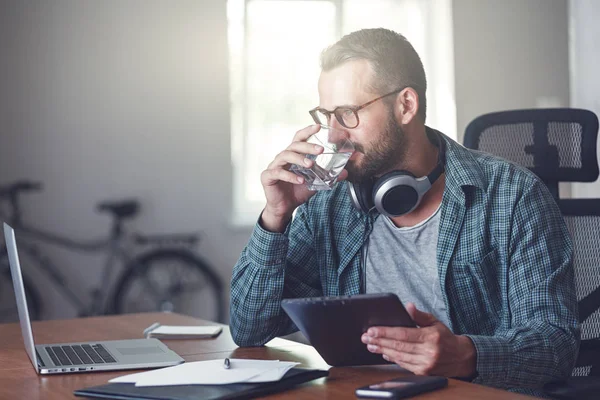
[[431, 349], [283, 189]]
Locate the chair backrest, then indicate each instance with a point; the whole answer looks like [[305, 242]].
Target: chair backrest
[[582, 217], [557, 144]]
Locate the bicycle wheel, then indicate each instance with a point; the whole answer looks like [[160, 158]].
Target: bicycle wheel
[[8, 305], [173, 280]]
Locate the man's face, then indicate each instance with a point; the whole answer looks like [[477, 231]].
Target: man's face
[[378, 138]]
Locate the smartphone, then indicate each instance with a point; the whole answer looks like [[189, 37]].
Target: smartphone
[[400, 388]]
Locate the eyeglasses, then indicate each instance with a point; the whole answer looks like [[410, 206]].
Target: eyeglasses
[[345, 115]]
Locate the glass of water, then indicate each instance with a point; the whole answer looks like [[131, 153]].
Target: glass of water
[[329, 164]]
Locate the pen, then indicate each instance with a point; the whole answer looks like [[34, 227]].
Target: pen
[[227, 363]]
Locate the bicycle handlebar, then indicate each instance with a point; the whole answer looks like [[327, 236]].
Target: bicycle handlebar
[[20, 186]]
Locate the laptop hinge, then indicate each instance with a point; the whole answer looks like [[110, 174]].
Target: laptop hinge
[[39, 359]]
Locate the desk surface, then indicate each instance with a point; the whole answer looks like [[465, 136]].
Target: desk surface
[[18, 379]]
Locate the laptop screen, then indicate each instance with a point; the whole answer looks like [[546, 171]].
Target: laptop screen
[[17, 278]]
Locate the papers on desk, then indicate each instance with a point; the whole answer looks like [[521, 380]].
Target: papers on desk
[[211, 373]]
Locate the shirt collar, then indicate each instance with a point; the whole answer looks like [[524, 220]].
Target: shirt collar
[[461, 167]]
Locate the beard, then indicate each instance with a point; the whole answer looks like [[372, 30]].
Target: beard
[[385, 153]]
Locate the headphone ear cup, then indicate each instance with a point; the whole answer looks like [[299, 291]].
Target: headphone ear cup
[[395, 193], [386, 177], [361, 195]]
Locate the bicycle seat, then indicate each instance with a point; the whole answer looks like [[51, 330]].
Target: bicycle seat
[[120, 209], [19, 186]]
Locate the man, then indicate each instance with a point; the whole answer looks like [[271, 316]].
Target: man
[[483, 263]]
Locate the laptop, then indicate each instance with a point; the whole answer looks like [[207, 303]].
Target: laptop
[[63, 358]]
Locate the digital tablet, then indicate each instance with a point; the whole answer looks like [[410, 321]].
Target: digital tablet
[[334, 325]]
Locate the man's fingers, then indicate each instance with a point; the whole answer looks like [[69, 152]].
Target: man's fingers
[[305, 148], [272, 176], [415, 363], [421, 318], [296, 154], [396, 333], [410, 309], [397, 345], [343, 175], [305, 133], [287, 157]]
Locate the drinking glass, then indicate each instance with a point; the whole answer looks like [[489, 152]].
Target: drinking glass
[[329, 164]]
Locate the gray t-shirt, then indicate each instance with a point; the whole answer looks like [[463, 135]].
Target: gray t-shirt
[[403, 261]]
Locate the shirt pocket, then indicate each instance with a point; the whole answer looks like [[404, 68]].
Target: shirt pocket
[[477, 285]]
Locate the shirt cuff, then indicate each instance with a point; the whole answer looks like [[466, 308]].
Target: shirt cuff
[[493, 358], [268, 248]]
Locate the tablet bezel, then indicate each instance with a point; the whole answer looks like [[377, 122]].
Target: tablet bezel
[[334, 325]]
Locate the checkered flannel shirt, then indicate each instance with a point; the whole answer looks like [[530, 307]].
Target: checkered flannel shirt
[[504, 259]]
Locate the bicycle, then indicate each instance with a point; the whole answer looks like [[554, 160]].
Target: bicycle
[[169, 276]]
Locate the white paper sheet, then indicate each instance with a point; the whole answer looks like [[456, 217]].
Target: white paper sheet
[[211, 373], [272, 375]]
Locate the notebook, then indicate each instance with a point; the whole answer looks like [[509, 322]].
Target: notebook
[[127, 391], [159, 331]]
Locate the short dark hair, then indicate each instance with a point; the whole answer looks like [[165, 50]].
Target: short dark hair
[[395, 62]]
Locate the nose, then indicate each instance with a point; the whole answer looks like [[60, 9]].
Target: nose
[[334, 123], [340, 135]]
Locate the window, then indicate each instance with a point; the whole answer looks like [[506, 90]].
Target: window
[[274, 49]]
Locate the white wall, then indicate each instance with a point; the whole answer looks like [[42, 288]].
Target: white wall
[[585, 66], [109, 99], [509, 54], [114, 98]]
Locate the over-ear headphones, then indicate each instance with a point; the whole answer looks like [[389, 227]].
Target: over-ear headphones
[[397, 192]]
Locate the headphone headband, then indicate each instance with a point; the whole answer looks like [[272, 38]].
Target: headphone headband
[[440, 143]]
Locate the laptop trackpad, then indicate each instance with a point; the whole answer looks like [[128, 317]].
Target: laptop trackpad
[[136, 351]]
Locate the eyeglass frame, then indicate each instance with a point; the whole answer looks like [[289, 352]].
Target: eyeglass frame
[[355, 110]]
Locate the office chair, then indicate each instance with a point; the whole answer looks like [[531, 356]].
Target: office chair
[[582, 217], [559, 145]]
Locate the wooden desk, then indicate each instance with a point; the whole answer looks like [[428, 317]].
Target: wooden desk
[[18, 379]]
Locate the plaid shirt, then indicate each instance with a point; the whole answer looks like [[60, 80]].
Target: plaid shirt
[[504, 259]]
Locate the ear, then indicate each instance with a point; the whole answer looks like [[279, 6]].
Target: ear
[[407, 106]]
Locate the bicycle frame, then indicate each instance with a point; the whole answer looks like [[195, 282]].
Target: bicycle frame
[[116, 244], [99, 295]]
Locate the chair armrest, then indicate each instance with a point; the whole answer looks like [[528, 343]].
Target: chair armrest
[[576, 387], [589, 353]]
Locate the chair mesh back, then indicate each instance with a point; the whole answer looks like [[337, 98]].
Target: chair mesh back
[[568, 139], [508, 141], [585, 232], [513, 141], [582, 217], [556, 144]]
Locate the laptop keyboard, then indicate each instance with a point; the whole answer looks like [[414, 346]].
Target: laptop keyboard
[[79, 354]]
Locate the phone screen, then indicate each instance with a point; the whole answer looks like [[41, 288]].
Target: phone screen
[[401, 387], [390, 385]]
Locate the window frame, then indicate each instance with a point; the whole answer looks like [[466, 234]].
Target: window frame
[[246, 212]]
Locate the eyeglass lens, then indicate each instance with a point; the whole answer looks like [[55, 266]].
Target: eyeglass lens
[[345, 116]]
